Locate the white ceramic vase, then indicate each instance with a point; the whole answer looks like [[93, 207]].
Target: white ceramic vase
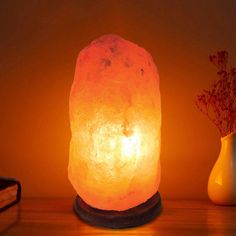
[[222, 180]]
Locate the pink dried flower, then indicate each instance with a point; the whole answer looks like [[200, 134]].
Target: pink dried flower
[[219, 102]]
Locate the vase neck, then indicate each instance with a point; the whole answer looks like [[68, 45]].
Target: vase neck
[[228, 145]]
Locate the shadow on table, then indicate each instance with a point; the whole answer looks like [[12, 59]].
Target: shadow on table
[[221, 220], [9, 218]]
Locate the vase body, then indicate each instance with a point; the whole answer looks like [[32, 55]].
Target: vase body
[[222, 180]]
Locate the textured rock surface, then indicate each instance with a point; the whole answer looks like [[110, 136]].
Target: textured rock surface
[[115, 118]]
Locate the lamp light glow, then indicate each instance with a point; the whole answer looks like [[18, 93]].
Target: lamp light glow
[[115, 118]]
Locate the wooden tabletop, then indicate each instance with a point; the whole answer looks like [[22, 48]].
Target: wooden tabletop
[[55, 217]]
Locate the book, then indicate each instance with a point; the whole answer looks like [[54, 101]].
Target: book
[[10, 192]]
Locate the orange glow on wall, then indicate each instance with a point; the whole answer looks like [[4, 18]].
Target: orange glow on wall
[[115, 118]]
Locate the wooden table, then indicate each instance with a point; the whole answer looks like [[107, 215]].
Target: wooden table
[[55, 217]]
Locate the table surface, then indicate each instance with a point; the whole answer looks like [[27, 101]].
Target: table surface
[[55, 217]]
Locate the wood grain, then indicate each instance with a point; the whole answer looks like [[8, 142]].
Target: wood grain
[[56, 217]]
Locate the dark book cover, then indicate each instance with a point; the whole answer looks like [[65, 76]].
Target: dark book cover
[[10, 192]]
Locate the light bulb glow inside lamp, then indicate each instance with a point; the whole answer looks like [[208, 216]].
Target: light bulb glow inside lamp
[[115, 120]]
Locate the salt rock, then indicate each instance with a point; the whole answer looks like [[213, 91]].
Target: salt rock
[[115, 119]]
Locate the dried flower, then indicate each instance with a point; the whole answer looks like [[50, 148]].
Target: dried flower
[[219, 102]]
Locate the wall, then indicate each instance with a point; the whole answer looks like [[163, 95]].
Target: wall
[[39, 43]]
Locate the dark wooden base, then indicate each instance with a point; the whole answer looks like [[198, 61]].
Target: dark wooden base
[[135, 216]]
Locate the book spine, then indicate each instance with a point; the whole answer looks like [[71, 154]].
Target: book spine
[[18, 195]]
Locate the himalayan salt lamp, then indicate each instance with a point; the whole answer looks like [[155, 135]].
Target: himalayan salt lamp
[[115, 119]]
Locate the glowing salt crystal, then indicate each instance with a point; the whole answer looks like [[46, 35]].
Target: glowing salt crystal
[[115, 117]]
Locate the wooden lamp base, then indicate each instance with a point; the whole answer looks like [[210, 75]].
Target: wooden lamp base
[[135, 216]]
